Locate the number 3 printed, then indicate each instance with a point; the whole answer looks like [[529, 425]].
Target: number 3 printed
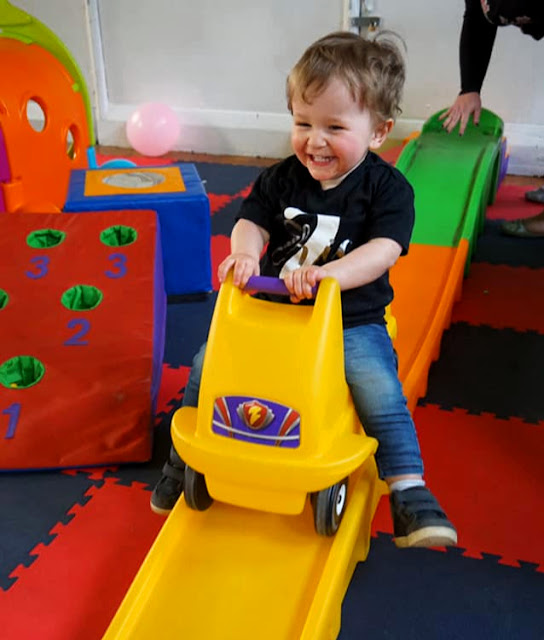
[[119, 265], [41, 263]]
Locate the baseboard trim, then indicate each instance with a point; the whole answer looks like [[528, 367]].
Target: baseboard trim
[[211, 131], [259, 134]]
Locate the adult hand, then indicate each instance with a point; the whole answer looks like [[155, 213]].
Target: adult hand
[[461, 110]]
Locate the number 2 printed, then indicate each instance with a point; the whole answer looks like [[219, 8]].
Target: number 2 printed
[[83, 327]]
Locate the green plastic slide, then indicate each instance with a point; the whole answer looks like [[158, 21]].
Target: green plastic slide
[[454, 178]]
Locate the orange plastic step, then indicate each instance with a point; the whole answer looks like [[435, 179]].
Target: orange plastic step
[[426, 282]]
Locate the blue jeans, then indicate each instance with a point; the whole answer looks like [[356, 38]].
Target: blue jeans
[[371, 374]]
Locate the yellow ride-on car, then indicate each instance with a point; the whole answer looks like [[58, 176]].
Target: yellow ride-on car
[[275, 422]]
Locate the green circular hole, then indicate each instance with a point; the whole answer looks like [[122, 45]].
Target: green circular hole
[[21, 372], [45, 238], [118, 236], [3, 299], [82, 297]]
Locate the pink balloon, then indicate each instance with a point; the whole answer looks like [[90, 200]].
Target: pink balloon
[[153, 129]]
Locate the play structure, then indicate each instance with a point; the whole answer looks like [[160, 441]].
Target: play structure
[[38, 162], [44, 107], [48, 158], [82, 294], [221, 571]]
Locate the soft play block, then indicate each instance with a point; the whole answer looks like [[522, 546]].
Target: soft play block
[[176, 193], [82, 321]]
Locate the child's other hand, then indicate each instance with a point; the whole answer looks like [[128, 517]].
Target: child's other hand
[[301, 282], [244, 266]]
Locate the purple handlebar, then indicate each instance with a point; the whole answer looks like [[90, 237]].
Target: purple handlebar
[[266, 284]]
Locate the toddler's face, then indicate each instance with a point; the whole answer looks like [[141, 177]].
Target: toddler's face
[[332, 133]]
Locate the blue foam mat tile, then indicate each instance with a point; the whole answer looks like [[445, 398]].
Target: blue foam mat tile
[[32, 503], [226, 179], [426, 594], [223, 221], [187, 326], [496, 371], [495, 247]]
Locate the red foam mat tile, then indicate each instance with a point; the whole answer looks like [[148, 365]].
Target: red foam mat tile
[[172, 383], [77, 582], [220, 250], [502, 297], [511, 204], [487, 474]]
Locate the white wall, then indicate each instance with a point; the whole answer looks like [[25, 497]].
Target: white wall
[[222, 66], [67, 19]]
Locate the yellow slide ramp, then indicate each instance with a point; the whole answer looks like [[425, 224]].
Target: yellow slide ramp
[[234, 574]]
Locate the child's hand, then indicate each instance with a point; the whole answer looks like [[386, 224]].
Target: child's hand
[[301, 282], [244, 266]]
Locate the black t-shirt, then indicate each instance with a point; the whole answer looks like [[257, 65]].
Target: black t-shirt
[[309, 225]]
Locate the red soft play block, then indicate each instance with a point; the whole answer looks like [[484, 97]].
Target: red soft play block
[[101, 366]]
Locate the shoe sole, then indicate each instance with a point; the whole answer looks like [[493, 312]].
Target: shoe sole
[[428, 537], [158, 510]]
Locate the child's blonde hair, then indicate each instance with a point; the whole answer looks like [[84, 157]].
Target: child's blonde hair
[[373, 71]]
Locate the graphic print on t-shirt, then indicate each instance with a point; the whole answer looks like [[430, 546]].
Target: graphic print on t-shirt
[[311, 240]]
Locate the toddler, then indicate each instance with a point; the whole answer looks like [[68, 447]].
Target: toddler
[[335, 209]]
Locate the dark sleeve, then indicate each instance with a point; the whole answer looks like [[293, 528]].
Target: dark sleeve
[[392, 210], [475, 46]]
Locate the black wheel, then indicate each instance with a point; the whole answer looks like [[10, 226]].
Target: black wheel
[[329, 506], [195, 490]]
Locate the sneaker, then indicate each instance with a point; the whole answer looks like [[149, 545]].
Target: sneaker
[[419, 521], [518, 229], [169, 488], [537, 195]]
